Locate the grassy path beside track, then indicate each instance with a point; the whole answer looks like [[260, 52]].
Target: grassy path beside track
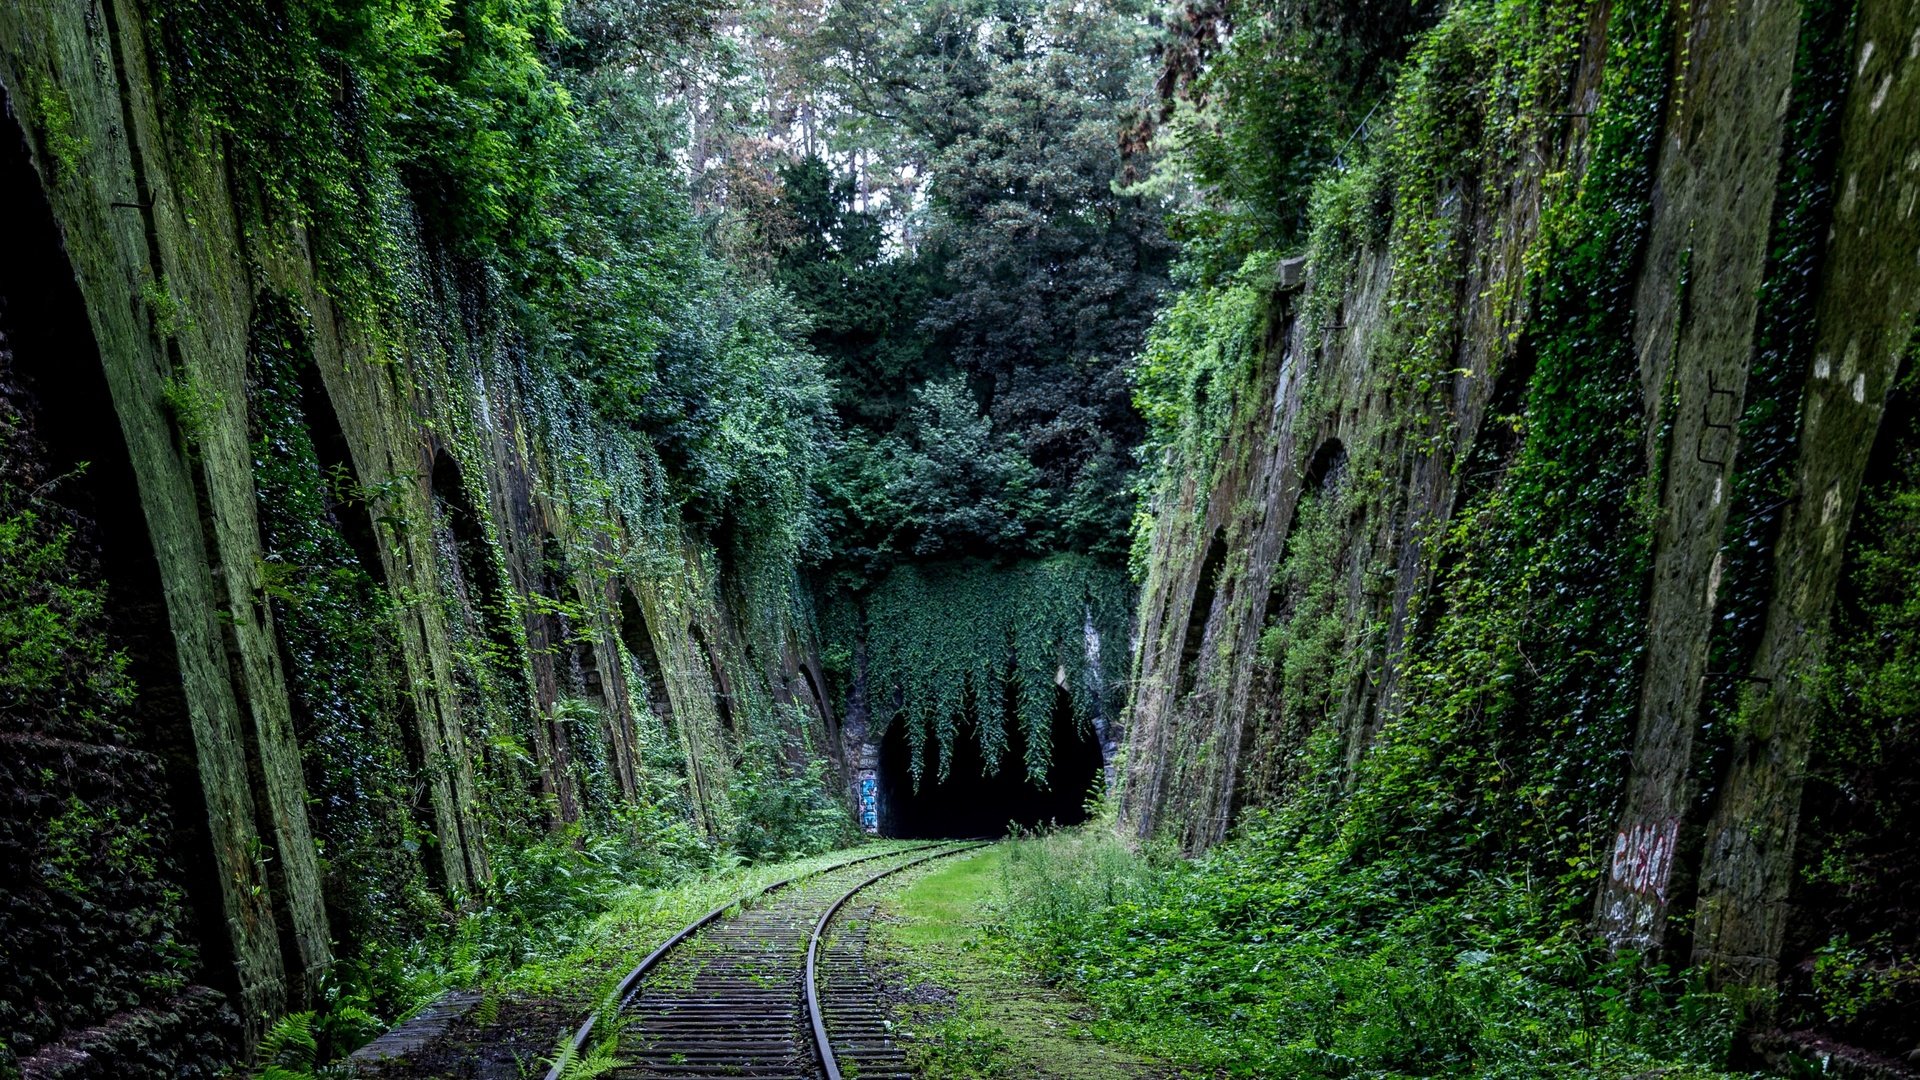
[[964, 1007]]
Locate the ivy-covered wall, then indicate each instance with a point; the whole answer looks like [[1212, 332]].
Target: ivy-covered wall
[[420, 603], [1501, 527]]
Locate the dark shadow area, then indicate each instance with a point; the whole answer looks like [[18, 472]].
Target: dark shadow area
[[722, 689], [1201, 611], [346, 496], [49, 355], [969, 803], [638, 639]]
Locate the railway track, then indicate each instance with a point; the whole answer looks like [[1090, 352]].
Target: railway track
[[766, 993]]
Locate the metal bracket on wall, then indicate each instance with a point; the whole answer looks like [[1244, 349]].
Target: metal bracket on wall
[[1707, 424]]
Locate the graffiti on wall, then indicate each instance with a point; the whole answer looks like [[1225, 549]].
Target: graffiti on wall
[[869, 804], [1643, 857]]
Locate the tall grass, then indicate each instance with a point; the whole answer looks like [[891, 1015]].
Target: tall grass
[[1268, 959]]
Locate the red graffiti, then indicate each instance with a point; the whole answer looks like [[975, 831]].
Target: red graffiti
[[1643, 857]]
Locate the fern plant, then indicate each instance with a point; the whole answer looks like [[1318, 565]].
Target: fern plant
[[599, 1061], [571, 1063], [290, 1050]]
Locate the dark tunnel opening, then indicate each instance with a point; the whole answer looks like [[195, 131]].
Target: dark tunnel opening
[[969, 803]]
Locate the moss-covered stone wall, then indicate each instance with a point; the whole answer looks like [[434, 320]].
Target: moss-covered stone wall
[[418, 603], [1504, 524]]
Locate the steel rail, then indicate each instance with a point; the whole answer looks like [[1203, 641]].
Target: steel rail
[[629, 986], [822, 1045]]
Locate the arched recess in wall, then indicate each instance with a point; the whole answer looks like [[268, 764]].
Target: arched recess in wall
[[1201, 610], [1271, 732], [350, 511], [1497, 441], [1325, 475], [820, 703], [638, 639], [345, 497], [488, 673], [650, 684], [581, 744], [120, 776], [367, 766], [722, 688], [465, 545]]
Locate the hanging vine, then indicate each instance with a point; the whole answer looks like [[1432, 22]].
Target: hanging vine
[[989, 643]]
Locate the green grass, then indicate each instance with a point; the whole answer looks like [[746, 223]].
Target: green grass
[[988, 1017], [1271, 957]]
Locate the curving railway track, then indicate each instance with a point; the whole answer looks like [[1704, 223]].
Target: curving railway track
[[771, 992]]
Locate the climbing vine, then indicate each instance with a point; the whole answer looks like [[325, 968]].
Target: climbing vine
[[1516, 716], [1853, 924], [1762, 483], [1517, 693], [336, 625]]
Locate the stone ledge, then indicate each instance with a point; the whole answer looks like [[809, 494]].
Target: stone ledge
[[415, 1033]]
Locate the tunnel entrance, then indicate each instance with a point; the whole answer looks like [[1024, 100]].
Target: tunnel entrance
[[970, 803]]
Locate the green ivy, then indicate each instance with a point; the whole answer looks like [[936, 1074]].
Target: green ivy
[[338, 633], [1516, 716], [948, 642]]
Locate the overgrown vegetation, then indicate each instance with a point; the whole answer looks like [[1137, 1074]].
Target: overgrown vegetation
[[1856, 932], [1271, 956], [88, 831], [1029, 632], [349, 689], [1419, 908], [939, 196], [537, 141], [921, 316]]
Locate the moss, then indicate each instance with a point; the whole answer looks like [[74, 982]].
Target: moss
[[192, 405], [1761, 487], [1517, 717], [64, 141], [1517, 688], [1852, 922]]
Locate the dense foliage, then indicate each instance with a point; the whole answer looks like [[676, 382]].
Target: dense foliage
[[537, 143], [341, 662], [1259, 97], [940, 197], [94, 884], [1271, 958], [1418, 908]]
